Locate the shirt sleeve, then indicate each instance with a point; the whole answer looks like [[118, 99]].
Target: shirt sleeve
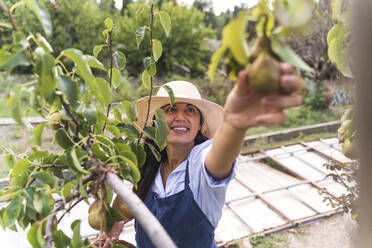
[[208, 192]]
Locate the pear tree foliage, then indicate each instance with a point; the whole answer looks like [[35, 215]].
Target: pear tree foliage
[[94, 134]]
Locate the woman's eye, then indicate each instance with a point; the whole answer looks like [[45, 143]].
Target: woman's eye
[[170, 109], [190, 110]]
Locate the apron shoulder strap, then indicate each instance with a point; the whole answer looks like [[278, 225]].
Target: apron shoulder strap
[[187, 180]]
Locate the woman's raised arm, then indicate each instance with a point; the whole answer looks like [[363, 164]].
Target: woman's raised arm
[[243, 109]]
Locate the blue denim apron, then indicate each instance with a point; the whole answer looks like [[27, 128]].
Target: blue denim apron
[[181, 217]]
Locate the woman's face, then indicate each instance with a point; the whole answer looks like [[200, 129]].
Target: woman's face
[[183, 121]]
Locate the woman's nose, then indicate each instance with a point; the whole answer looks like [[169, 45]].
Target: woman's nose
[[180, 115]]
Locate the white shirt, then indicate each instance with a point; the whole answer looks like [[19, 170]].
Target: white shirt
[[208, 192]]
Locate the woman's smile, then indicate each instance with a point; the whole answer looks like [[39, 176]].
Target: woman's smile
[[183, 121]]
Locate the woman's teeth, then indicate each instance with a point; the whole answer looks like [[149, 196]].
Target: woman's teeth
[[180, 128]]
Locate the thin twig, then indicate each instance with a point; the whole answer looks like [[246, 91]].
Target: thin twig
[[69, 209], [110, 77], [5, 8], [68, 110], [151, 84]]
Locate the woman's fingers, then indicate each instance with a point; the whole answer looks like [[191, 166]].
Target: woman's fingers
[[242, 86], [272, 118], [282, 101], [291, 83], [286, 68]]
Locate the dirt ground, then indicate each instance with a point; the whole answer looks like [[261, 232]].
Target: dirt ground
[[327, 233]]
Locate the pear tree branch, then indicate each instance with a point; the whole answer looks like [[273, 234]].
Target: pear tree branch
[[5, 8], [146, 219]]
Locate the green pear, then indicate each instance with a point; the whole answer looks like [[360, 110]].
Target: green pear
[[264, 76], [97, 215], [349, 149]]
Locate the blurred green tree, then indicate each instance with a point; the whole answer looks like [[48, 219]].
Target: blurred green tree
[[187, 44]]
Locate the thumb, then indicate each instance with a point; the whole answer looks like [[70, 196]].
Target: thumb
[[242, 84]]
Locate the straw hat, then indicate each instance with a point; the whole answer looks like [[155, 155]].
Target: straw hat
[[184, 92]]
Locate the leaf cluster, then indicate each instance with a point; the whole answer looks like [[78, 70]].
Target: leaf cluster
[[271, 26], [95, 135]]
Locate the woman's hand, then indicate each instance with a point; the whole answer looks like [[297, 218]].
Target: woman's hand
[[244, 108]]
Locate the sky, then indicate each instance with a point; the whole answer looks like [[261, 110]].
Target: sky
[[218, 5], [222, 5]]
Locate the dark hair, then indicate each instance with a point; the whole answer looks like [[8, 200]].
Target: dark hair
[[151, 166]]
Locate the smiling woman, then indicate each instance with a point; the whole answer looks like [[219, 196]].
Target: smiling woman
[[186, 189]]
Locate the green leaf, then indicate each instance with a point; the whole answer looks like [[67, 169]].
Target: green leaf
[[134, 173], [161, 133], [9, 159], [82, 189], [90, 113], [150, 65], [10, 59], [336, 6], [103, 92], [67, 189], [14, 103], [14, 209], [170, 94], [81, 63], [115, 78], [97, 49], [155, 152], [44, 177], [19, 173], [146, 80], [44, 67], [114, 130], [129, 130], [63, 139], [43, 203], [6, 25], [286, 54], [150, 132], [42, 14], [157, 49], [265, 20], [293, 13], [139, 150], [234, 37], [215, 60], [338, 53], [35, 237], [70, 88], [38, 155], [108, 23], [74, 161], [119, 60], [130, 110], [117, 114], [76, 241], [60, 239], [125, 151], [42, 42], [94, 62], [37, 133], [99, 152], [159, 115], [140, 33], [165, 21]]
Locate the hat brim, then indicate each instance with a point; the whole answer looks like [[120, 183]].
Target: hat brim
[[212, 113]]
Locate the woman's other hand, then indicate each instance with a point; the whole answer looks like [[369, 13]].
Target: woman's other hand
[[244, 108]]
